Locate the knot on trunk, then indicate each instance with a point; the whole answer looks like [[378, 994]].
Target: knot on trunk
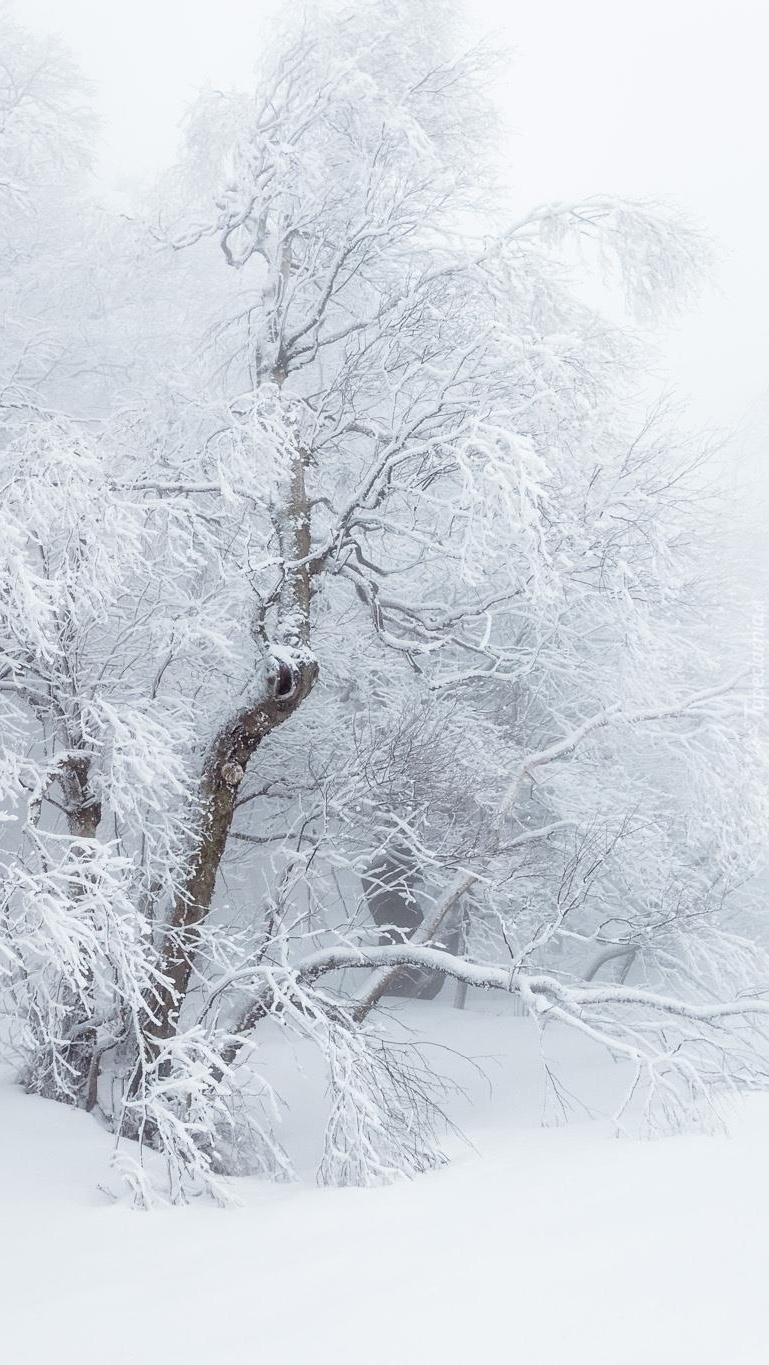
[[292, 678], [232, 773], [285, 680]]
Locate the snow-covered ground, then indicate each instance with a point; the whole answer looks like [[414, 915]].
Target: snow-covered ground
[[535, 1245]]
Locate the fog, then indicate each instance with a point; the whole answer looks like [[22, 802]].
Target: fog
[[666, 99]]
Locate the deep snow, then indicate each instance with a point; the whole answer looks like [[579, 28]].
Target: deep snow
[[536, 1246]]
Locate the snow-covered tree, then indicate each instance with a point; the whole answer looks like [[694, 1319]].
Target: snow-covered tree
[[356, 619]]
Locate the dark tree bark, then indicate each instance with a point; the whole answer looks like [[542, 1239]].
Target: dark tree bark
[[223, 771], [229, 754], [390, 886]]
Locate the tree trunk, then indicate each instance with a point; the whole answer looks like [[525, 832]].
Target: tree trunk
[[223, 771], [83, 819], [237, 741]]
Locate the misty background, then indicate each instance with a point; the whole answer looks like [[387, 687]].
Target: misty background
[[667, 99]]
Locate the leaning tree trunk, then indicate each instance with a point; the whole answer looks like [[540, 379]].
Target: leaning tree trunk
[[228, 756], [223, 771]]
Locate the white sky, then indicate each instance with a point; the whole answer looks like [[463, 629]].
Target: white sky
[[663, 97]]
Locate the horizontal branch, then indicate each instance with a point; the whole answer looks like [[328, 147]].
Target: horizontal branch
[[546, 991]]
